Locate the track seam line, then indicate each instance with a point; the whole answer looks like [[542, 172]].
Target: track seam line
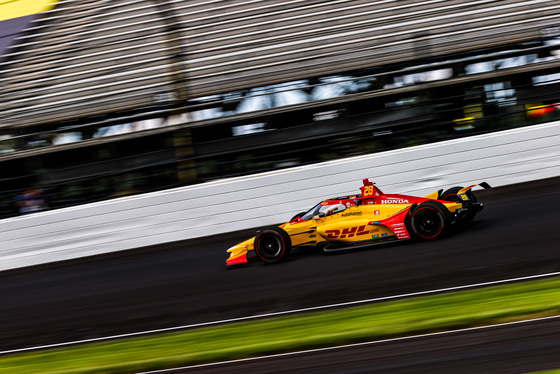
[[276, 314], [372, 342]]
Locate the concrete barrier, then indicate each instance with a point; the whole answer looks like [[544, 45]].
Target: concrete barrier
[[500, 158]]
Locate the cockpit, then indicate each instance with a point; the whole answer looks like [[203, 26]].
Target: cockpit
[[323, 210]]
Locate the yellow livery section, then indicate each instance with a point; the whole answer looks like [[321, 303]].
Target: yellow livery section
[[15, 16], [20, 8]]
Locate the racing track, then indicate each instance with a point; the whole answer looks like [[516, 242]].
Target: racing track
[[513, 348], [516, 235]]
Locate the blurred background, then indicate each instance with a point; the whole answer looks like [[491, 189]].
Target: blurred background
[[100, 99]]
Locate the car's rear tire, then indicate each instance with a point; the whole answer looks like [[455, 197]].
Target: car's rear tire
[[430, 220], [451, 195], [273, 244]]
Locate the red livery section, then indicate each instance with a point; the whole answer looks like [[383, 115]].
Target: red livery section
[[237, 260]]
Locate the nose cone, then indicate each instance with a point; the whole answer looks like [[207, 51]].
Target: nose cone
[[238, 253]]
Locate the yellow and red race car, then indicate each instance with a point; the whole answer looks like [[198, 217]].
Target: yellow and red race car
[[368, 218]]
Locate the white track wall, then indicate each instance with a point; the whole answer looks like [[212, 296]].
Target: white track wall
[[500, 158]]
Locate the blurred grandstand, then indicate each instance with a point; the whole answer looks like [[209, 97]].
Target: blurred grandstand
[[105, 98]]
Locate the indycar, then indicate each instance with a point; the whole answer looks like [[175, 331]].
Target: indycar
[[361, 220]]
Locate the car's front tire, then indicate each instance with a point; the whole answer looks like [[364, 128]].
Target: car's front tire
[[273, 244], [430, 220]]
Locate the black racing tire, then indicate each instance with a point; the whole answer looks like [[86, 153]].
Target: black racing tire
[[451, 195], [273, 244], [430, 220]]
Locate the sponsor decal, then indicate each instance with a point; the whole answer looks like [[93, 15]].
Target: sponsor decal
[[384, 235], [374, 230], [377, 212], [351, 214], [375, 236], [400, 231], [347, 232], [368, 190], [395, 201]]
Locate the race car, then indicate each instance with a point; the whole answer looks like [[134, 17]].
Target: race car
[[361, 220]]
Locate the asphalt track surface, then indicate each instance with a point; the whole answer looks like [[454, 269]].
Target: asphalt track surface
[[517, 234], [522, 348]]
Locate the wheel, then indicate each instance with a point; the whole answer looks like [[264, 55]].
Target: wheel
[[451, 195], [273, 244], [430, 220]]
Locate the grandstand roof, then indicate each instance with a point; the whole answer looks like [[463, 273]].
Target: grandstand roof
[[86, 58]]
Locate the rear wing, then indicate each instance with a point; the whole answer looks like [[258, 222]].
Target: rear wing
[[464, 192]]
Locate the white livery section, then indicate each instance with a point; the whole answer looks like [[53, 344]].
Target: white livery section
[[499, 158]]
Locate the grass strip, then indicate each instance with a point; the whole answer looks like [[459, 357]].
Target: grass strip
[[245, 339]]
